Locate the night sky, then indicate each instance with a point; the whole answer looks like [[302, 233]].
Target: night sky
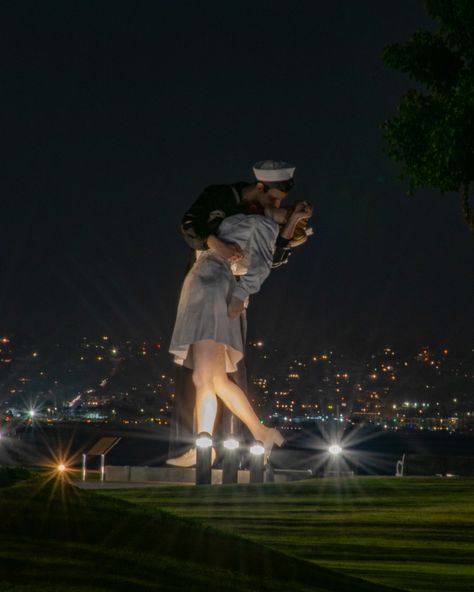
[[116, 115]]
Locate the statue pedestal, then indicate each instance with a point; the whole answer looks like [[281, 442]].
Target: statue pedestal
[[178, 475]]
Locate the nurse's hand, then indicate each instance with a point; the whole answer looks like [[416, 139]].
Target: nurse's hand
[[235, 307], [302, 210], [231, 252]]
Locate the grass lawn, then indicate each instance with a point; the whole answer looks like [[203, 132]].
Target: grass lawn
[[56, 538], [410, 533]]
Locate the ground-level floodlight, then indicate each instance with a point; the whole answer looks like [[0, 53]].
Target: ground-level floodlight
[[334, 449], [334, 461], [257, 462], [203, 459], [230, 465]]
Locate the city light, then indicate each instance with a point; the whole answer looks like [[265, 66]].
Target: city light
[[61, 468], [335, 449], [325, 400]]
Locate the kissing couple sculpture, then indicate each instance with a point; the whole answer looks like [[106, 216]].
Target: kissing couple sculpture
[[238, 233]]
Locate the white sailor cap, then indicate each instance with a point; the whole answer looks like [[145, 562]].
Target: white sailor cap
[[269, 171]]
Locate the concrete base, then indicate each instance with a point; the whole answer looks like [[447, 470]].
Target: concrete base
[[177, 475]]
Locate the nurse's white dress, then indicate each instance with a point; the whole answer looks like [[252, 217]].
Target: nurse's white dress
[[209, 285]]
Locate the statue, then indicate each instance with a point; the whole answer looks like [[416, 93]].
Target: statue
[[208, 336]]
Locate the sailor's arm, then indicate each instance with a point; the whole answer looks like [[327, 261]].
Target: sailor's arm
[[200, 223], [282, 252]]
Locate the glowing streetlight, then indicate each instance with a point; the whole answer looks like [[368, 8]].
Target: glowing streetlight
[[334, 449], [61, 468], [257, 462], [230, 464], [204, 459], [231, 444], [204, 440], [257, 449]]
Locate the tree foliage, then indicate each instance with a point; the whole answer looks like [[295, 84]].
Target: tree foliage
[[432, 136]]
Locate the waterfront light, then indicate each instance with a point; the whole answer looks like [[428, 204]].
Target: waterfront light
[[335, 449]]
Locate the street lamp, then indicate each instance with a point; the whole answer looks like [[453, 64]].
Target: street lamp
[[257, 461], [204, 459], [231, 444], [230, 465], [335, 457], [334, 449]]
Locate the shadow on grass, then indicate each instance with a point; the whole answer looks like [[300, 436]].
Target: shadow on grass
[[59, 538]]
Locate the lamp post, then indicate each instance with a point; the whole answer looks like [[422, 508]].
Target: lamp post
[[257, 458], [203, 459], [230, 466], [335, 451]]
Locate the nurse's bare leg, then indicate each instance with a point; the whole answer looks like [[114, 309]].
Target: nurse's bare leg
[[234, 397], [204, 353], [204, 359]]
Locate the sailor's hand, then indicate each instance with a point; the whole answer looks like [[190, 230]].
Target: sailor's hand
[[302, 210], [235, 307], [230, 251]]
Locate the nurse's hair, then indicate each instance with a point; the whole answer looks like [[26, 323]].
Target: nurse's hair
[[302, 231]]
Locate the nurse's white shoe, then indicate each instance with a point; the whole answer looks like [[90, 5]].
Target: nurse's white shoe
[[273, 436]]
